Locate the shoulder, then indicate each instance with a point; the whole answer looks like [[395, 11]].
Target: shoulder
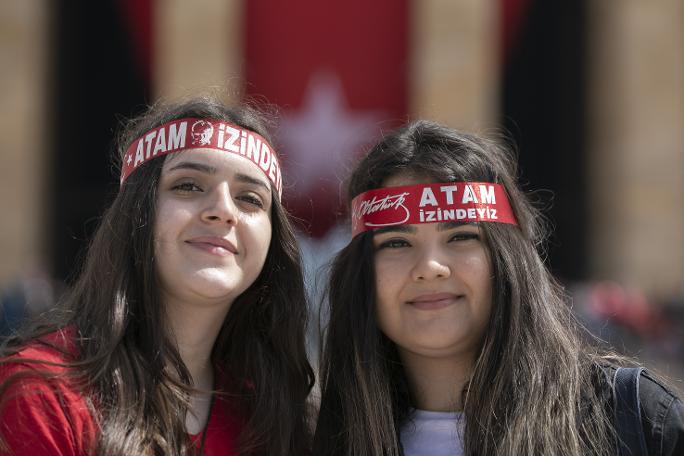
[[45, 357], [662, 413], [662, 416], [42, 407], [55, 346]]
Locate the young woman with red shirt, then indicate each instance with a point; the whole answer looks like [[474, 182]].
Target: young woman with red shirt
[[184, 332]]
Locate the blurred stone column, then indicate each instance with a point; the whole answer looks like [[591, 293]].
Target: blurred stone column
[[198, 47], [24, 30], [455, 70], [636, 143]]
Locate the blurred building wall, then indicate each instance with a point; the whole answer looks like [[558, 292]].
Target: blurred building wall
[[455, 63], [24, 133], [101, 61], [542, 111], [635, 124], [198, 46]]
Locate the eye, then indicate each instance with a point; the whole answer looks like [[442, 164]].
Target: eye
[[253, 199], [393, 243], [186, 187], [464, 236]]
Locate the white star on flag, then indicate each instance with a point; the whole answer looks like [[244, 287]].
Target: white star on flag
[[321, 138]]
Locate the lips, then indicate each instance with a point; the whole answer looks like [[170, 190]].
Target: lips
[[214, 245], [434, 301]]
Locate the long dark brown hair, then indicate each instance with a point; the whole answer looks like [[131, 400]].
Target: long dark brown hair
[[133, 369], [533, 387]]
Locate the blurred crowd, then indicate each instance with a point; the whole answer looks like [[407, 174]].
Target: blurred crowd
[[623, 317], [25, 298]]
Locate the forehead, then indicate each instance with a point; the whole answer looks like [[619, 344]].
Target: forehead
[[406, 178], [220, 162]]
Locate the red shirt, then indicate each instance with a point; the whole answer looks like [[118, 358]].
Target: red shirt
[[222, 430], [50, 416]]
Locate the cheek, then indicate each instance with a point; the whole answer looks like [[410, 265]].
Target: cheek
[[260, 233], [164, 231], [383, 283], [170, 217], [265, 243], [385, 312], [160, 236], [171, 220], [386, 295], [383, 320], [166, 258], [380, 276], [388, 272], [479, 272]]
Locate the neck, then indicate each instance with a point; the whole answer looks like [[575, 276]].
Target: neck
[[195, 330], [437, 383]]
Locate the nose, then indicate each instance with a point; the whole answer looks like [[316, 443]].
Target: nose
[[430, 265], [219, 207]]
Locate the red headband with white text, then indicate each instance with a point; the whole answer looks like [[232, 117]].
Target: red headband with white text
[[193, 133], [463, 202]]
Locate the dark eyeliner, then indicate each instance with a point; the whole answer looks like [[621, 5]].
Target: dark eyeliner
[[465, 236], [186, 187], [254, 200], [393, 243]]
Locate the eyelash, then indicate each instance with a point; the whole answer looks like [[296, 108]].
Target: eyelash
[[252, 199], [393, 244], [186, 187], [465, 236]]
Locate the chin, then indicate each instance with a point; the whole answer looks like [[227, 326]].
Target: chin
[[438, 341], [207, 284], [217, 290], [215, 286], [230, 277]]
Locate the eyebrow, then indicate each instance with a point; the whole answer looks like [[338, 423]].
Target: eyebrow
[[445, 226], [252, 180], [442, 226], [395, 229], [207, 169], [194, 166]]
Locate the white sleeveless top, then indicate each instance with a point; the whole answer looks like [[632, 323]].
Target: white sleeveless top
[[428, 433]]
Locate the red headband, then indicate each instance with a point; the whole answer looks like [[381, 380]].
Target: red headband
[[194, 133], [429, 203]]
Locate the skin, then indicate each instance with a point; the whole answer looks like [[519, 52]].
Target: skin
[[212, 236], [434, 299]]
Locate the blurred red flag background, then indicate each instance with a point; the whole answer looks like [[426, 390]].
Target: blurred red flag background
[[339, 73]]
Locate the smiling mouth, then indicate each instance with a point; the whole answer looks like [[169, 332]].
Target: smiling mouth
[[215, 246], [434, 301]]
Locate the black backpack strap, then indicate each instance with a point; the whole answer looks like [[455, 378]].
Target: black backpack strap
[[627, 406]]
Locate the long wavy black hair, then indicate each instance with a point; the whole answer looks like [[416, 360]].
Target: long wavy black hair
[[532, 390], [133, 369]]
